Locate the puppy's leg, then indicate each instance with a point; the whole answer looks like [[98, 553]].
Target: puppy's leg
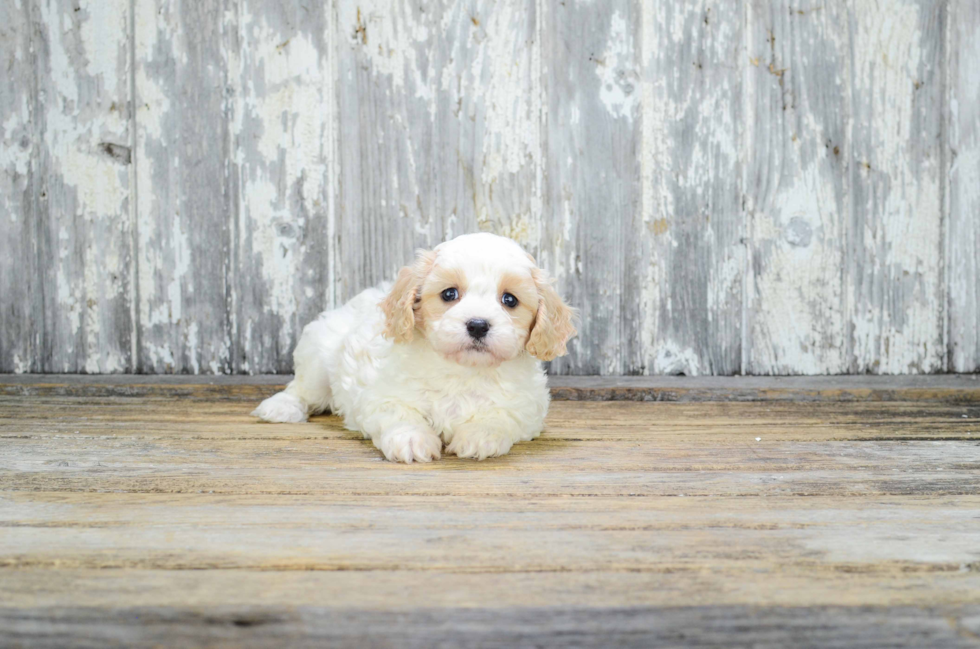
[[488, 435], [283, 407], [402, 435], [308, 393]]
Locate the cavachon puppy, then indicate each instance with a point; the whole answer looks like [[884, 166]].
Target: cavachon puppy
[[450, 353]]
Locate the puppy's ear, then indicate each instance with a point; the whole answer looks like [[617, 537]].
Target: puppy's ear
[[400, 304], [553, 323]]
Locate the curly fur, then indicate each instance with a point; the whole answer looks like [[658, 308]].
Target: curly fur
[[400, 366]]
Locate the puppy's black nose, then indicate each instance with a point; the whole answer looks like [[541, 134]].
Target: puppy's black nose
[[478, 328]]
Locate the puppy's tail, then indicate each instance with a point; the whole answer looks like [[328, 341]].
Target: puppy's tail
[[283, 407]]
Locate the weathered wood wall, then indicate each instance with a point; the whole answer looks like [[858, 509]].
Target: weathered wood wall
[[737, 186]]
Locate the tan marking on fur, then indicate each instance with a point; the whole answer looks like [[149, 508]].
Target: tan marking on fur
[[400, 306], [431, 304], [553, 323], [521, 286], [441, 278]]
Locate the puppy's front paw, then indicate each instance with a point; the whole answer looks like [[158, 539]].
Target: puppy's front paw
[[410, 444], [479, 445], [281, 408]]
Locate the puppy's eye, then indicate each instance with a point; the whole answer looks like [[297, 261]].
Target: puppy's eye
[[450, 295], [508, 300]]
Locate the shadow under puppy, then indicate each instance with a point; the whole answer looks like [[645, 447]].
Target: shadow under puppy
[[449, 353]]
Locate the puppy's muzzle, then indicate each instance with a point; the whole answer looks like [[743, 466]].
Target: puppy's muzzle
[[478, 328]]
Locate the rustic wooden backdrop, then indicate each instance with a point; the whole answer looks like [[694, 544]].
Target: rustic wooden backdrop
[[736, 186]]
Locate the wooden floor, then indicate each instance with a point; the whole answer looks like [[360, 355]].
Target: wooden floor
[[135, 513]]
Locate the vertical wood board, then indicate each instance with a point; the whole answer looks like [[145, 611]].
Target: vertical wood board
[[83, 218], [18, 157], [796, 186], [963, 160], [692, 225], [894, 248], [440, 122], [282, 64], [183, 181], [592, 187]]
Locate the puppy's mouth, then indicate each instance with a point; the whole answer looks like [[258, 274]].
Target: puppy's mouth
[[477, 353]]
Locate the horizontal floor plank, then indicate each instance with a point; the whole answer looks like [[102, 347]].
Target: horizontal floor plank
[[405, 590], [542, 467], [490, 535], [545, 627], [692, 422], [950, 388]]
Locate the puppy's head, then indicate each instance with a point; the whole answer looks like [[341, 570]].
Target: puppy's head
[[478, 300]]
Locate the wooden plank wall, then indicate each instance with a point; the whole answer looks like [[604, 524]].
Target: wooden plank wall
[[749, 186]]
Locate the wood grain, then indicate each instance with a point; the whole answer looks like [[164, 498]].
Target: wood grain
[[945, 389], [590, 223], [144, 518], [20, 337], [796, 187], [895, 251], [963, 158], [83, 212], [545, 627], [186, 192], [282, 69], [440, 110], [103, 416], [756, 187], [693, 232], [485, 535]]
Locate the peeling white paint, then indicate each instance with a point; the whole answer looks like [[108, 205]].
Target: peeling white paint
[[616, 69], [21, 366], [903, 196], [799, 297], [390, 35], [796, 313], [86, 97], [502, 81], [672, 359], [963, 229], [14, 157], [479, 72], [690, 199], [653, 193], [288, 98]]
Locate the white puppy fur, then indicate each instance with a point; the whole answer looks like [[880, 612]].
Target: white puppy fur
[[450, 353]]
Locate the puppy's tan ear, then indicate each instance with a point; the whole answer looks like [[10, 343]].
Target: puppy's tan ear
[[553, 323], [400, 304]]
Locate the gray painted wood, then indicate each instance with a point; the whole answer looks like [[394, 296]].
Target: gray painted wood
[[761, 186], [439, 116], [691, 284], [83, 193], [383, 122], [894, 245], [186, 191], [963, 160], [18, 235], [795, 189], [590, 220], [284, 128]]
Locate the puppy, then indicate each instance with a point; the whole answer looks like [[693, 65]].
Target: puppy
[[450, 353]]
